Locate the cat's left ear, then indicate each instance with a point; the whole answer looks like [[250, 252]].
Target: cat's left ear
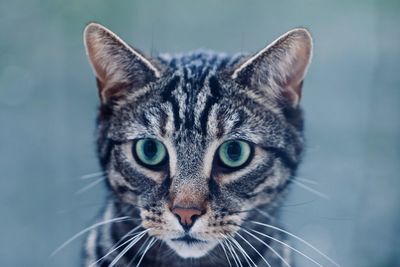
[[279, 68], [117, 65]]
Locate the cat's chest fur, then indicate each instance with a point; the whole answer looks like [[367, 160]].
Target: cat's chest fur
[[198, 150]]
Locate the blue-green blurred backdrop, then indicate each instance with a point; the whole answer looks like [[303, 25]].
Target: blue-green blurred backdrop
[[351, 98]]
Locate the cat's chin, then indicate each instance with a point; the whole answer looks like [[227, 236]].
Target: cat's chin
[[191, 250]]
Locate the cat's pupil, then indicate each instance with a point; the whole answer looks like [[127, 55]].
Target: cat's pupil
[[150, 149], [234, 151]]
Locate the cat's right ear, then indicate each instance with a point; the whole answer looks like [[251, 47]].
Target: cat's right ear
[[117, 66]]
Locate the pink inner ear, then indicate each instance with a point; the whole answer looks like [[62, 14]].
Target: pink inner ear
[[98, 45], [292, 94], [98, 68], [281, 66], [296, 72], [116, 64]]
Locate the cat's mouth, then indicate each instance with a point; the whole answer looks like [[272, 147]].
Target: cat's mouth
[[189, 240], [188, 246]]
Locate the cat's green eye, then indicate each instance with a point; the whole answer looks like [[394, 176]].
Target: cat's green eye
[[150, 152], [235, 153]]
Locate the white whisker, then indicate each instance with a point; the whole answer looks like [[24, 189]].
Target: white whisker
[[112, 250], [244, 253], [230, 251], [130, 233], [265, 214], [305, 180], [89, 186], [123, 252], [300, 239], [287, 245], [151, 243], [312, 190], [119, 219], [92, 175], [228, 243], [118, 245], [268, 246], [259, 254], [244, 256], [139, 251], [226, 254]]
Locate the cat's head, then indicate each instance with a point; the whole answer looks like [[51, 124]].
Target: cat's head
[[196, 142]]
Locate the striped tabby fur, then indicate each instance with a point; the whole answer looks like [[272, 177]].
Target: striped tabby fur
[[192, 103]]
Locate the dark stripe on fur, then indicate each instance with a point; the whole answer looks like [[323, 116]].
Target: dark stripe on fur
[[167, 96], [215, 91], [285, 158]]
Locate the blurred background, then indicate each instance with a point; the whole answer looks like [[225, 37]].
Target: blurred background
[[348, 201]]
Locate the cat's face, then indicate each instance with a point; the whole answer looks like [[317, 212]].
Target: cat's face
[[197, 142]]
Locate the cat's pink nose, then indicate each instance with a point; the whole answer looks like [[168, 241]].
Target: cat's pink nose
[[186, 216]]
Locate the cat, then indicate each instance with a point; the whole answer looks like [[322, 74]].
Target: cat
[[198, 149]]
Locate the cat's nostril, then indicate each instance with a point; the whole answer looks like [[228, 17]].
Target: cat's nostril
[[186, 217]]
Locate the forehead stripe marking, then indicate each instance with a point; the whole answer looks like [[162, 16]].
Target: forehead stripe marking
[[168, 97], [215, 90]]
